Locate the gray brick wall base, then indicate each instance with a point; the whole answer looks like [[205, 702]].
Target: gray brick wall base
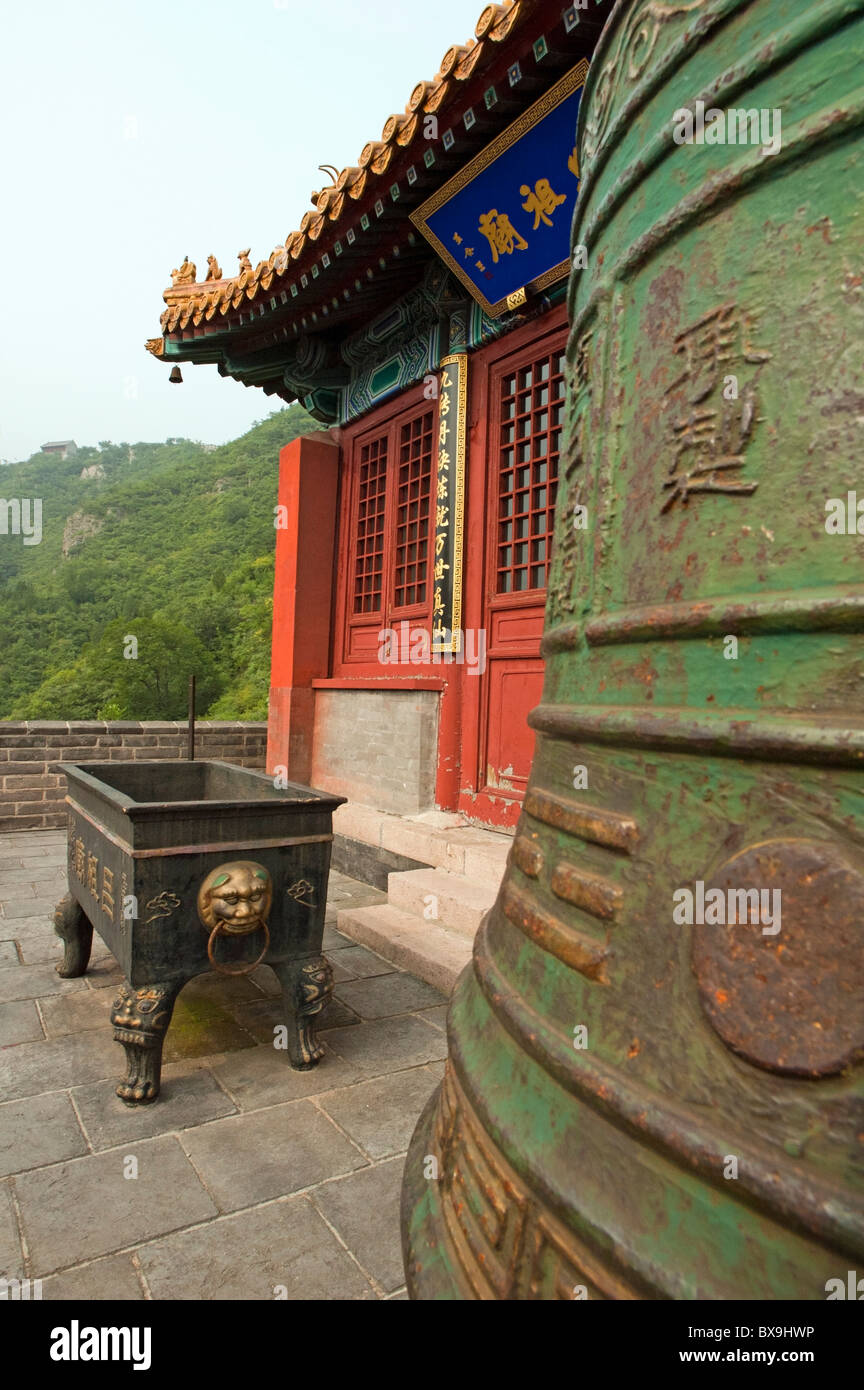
[[378, 747], [32, 796]]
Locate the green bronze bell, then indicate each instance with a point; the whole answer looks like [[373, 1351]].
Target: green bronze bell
[[654, 1083]]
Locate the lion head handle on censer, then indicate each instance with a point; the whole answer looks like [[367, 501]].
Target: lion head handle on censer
[[236, 899]]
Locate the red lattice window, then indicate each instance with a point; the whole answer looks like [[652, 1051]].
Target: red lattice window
[[369, 540], [531, 418], [413, 496]]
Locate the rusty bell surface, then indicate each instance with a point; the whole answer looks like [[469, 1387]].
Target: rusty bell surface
[[654, 1083]]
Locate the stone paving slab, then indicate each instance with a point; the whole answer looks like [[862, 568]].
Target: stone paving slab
[[255, 1157], [437, 1016], [103, 971], [18, 878], [19, 1022], [76, 1013], [54, 858], [190, 1096], [8, 954], [32, 981], [200, 1026], [256, 1254], [38, 1131], [356, 963], [34, 939], [262, 1017], [263, 1076], [11, 1258], [386, 995], [57, 1063], [254, 1180], [27, 905], [37, 950], [115, 1276], [87, 1207], [332, 939], [389, 1044], [52, 889], [363, 1209], [380, 1115]]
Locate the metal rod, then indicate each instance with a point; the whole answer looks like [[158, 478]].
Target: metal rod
[[191, 748]]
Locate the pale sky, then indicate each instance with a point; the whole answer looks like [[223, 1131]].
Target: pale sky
[[135, 132]]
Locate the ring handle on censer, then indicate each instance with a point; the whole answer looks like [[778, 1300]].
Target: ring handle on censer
[[221, 966], [235, 900]]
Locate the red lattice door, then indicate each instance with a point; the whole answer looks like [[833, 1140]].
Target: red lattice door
[[526, 417], [388, 527]]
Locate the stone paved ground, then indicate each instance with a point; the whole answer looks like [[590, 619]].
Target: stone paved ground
[[250, 1176]]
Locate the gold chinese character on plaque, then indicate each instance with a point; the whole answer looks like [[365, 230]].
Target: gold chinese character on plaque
[[93, 874], [501, 235], [542, 202]]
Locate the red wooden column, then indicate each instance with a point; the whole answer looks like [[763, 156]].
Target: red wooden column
[[302, 597]]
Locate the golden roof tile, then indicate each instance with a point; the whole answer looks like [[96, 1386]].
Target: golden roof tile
[[194, 302]]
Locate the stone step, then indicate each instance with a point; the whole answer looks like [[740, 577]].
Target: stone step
[[425, 949], [447, 900], [485, 863], [439, 839]]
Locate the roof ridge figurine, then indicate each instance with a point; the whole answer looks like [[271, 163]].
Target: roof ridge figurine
[[186, 275]]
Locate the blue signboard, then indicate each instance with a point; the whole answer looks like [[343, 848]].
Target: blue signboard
[[502, 224]]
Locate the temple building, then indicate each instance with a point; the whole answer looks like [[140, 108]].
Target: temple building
[[63, 448], [418, 313]]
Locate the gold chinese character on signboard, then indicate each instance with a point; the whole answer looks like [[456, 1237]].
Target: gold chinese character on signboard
[[107, 903], [437, 603], [442, 429], [446, 383], [92, 874], [444, 405], [440, 542], [500, 233], [443, 460], [542, 202], [441, 491], [441, 517], [440, 566]]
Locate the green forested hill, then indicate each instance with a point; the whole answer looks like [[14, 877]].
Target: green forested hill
[[168, 544]]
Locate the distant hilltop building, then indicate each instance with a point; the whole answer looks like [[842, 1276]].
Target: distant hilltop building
[[62, 447]]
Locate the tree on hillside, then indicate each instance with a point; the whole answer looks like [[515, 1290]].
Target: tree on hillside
[[146, 664], [186, 536]]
